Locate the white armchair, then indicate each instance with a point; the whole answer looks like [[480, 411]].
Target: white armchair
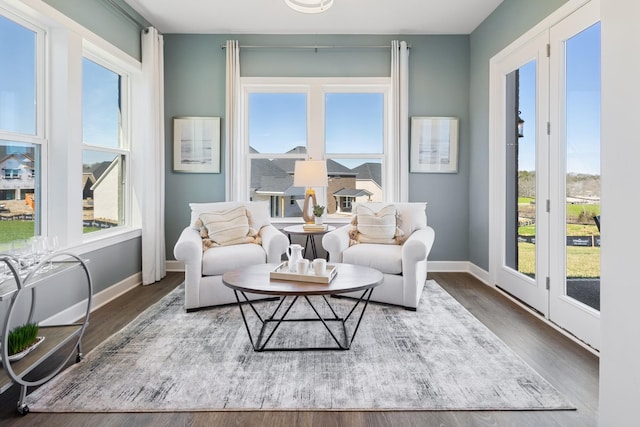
[[203, 270], [404, 266]]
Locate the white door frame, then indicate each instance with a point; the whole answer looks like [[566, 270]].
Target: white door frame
[[531, 290], [587, 330], [578, 318]]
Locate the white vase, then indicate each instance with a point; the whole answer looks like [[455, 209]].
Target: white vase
[[319, 220]]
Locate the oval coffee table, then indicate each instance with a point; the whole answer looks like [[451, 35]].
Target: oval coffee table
[[256, 280]]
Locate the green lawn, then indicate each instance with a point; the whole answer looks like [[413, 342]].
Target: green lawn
[[526, 200], [14, 230], [572, 230], [581, 262], [588, 210]]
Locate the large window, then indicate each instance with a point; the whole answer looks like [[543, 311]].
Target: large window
[[341, 120], [64, 134], [21, 129], [104, 153]]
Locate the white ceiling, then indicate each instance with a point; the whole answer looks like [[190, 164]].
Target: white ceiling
[[345, 17]]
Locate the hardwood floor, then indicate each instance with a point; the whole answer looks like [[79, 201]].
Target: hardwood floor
[[570, 368]]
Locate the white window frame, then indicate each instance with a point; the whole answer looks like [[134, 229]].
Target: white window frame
[[315, 88], [94, 54], [38, 138], [59, 129]]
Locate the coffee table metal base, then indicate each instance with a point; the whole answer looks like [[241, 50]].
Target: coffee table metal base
[[343, 340]]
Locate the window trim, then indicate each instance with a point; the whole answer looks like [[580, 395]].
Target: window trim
[[94, 54], [315, 88]]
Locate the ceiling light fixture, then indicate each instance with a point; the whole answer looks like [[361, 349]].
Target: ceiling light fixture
[[309, 6]]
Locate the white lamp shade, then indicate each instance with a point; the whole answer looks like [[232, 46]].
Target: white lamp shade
[[310, 173]]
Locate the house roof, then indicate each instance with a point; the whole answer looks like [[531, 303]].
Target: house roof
[[369, 171], [352, 192]]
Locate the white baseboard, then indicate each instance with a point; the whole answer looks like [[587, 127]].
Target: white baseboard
[[433, 266], [77, 311], [479, 273], [459, 267], [173, 265]]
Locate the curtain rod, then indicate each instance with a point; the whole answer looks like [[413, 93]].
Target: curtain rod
[[126, 14], [316, 47]]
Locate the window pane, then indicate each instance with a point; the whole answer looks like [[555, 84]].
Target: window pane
[[101, 115], [102, 190], [278, 122], [583, 167], [19, 179], [17, 78], [354, 122], [272, 180], [352, 180]]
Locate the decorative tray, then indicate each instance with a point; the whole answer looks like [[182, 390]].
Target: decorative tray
[[282, 272]]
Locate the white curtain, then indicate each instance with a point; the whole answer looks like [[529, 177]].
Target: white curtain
[[149, 151], [233, 144], [400, 117]]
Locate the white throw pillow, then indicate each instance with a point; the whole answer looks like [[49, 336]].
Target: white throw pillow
[[225, 228], [379, 227], [259, 211]]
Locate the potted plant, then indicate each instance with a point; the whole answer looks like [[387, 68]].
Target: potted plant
[[22, 340], [318, 211]]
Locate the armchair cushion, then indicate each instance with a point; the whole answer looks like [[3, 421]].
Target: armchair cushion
[[226, 258], [384, 258]]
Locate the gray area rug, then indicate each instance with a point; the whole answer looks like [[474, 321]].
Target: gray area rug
[[438, 358]]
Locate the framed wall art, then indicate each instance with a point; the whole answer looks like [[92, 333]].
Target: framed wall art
[[196, 144], [434, 145]]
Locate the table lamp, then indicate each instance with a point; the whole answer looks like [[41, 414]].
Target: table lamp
[[309, 174]]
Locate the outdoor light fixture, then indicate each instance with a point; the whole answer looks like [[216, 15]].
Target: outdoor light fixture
[[309, 6], [520, 125], [310, 173]]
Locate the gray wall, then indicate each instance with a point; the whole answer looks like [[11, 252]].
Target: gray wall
[[101, 18], [509, 21], [439, 86], [107, 267], [449, 76]]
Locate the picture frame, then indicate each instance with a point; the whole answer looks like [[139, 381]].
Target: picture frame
[[196, 144], [434, 145]]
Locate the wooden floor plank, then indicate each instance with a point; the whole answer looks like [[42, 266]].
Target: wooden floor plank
[[569, 367]]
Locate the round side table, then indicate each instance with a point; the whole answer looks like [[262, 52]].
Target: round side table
[[310, 240]]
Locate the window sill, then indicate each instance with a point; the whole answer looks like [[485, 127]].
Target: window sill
[[102, 239]]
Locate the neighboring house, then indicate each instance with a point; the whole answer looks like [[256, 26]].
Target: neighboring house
[[107, 191], [369, 179], [87, 182], [17, 176], [270, 182], [273, 180]]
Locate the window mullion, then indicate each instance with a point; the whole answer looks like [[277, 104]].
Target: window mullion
[[315, 121]]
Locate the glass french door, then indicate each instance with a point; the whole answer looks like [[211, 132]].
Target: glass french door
[[575, 175], [547, 202], [523, 180]]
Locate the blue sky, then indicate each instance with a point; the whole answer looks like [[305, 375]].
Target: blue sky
[[354, 122], [17, 90], [583, 105]]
